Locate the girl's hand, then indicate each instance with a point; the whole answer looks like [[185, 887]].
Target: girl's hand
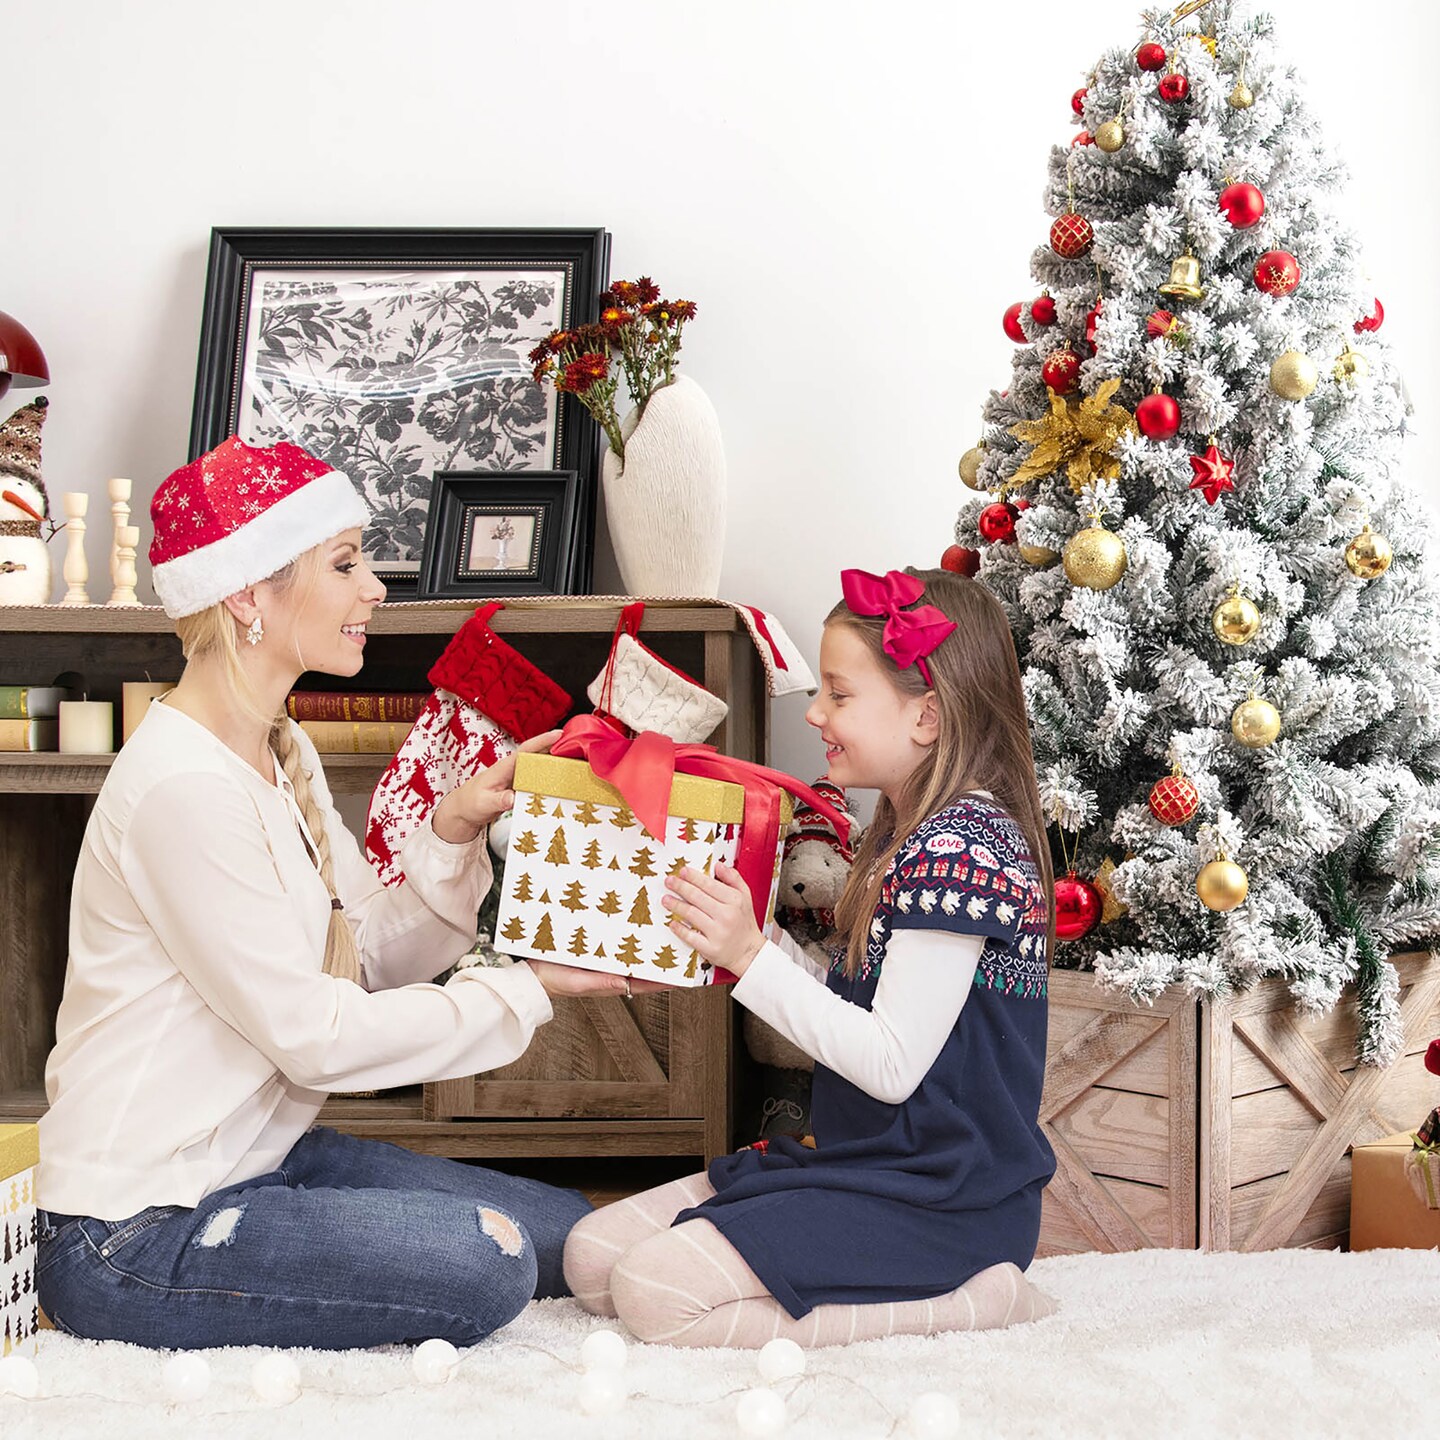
[[469, 808], [714, 916], [570, 980]]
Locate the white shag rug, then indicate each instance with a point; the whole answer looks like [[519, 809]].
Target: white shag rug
[[1161, 1343]]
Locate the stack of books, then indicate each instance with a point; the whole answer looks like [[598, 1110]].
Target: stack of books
[[30, 716], [356, 722]]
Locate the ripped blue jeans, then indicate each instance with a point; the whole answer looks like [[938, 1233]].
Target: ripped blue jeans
[[350, 1243]]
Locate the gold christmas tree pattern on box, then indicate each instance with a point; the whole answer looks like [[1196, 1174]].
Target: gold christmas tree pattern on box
[[19, 1232], [584, 879]]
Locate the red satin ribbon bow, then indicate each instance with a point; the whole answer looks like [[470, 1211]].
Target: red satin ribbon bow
[[910, 635], [643, 770]]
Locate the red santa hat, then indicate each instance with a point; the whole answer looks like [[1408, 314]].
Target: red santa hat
[[237, 515]]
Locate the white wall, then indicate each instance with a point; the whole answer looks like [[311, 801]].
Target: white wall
[[849, 190]]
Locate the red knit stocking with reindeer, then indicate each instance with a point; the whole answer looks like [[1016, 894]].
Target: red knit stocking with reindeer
[[488, 699]]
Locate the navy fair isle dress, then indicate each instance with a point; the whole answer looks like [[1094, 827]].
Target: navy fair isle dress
[[908, 1201]]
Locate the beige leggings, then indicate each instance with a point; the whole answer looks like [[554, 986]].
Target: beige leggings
[[688, 1285]]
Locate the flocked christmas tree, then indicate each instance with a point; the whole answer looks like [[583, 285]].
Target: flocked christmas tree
[[1216, 577]]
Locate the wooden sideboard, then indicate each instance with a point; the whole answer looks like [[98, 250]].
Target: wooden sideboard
[[652, 1077]]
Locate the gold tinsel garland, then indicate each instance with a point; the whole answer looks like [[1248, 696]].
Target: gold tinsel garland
[[1082, 438]]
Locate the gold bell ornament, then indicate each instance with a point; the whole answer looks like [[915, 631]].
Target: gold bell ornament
[[1255, 723], [1236, 620], [1222, 884], [970, 466], [1350, 366], [1368, 555], [1293, 376], [1095, 557], [1110, 135], [1184, 281]]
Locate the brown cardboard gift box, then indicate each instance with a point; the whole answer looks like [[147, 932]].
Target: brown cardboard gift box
[[1385, 1213]]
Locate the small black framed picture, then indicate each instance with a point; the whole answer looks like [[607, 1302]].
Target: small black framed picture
[[493, 533]]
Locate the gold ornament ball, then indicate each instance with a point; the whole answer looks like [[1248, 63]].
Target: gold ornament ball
[[1351, 365], [1221, 885], [1369, 554], [1293, 375], [1236, 621], [1095, 558], [1038, 555], [1241, 97], [1109, 136], [1255, 724], [970, 466]]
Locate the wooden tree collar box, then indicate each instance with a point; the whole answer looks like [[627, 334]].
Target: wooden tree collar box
[[583, 878], [19, 1308], [1385, 1211]]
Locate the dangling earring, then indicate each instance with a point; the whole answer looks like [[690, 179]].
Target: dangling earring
[[255, 632]]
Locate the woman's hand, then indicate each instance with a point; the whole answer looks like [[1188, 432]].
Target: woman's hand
[[714, 916], [469, 808], [561, 980]]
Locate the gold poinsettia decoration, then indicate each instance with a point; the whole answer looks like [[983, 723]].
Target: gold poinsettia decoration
[[1083, 438]]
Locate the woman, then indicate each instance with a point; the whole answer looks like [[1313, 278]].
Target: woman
[[233, 958]]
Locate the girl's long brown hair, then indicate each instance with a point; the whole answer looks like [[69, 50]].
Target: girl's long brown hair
[[983, 744]]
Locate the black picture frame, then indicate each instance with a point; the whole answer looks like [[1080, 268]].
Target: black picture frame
[[325, 368], [534, 517]]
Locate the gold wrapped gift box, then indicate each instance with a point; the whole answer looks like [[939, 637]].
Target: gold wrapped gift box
[[19, 1308]]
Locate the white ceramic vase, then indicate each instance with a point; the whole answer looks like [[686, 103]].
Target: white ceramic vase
[[665, 505]]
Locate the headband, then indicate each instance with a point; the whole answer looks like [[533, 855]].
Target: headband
[[910, 635]]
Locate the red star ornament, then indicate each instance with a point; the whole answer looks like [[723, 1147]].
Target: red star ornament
[[1212, 473]]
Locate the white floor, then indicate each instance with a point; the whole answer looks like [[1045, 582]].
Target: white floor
[[1156, 1344]]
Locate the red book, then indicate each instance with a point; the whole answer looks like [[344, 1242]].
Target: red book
[[399, 705]]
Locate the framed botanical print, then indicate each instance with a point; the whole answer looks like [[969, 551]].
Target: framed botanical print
[[499, 532], [395, 355]]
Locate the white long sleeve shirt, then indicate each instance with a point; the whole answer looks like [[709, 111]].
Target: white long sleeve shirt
[[887, 1050], [198, 1034]]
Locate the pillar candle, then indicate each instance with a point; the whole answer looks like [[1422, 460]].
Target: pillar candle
[[87, 727], [136, 696]]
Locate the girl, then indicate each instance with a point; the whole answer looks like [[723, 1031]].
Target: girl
[[233, 957], [917, 1204]]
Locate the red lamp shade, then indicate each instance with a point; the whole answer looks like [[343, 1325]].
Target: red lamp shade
[[22, 362]]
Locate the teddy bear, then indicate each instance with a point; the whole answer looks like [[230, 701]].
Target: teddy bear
[[814, 867]]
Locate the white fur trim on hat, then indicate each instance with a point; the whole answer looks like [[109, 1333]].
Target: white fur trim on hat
[[316, 511]]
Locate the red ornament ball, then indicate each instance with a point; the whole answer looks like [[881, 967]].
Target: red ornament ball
[[997, 523], [1077, 100], [1150, 56], [961, 560], [1158, 417], [1012, 323], [1369, 324], [1061, 371], [1071, 236], [1174, 88], [1042, 311], [1174, 800], [1243, 205], [1091, 320], [1083, 138], [1277, 272], [1077, 907]]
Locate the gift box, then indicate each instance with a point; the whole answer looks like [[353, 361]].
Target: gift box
[[1385, 1212], [584, 877], [19, 1307]]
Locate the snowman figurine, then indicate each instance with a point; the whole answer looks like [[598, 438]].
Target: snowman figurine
[[24, 509]]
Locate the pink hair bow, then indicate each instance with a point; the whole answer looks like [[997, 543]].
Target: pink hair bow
[[910, 635]]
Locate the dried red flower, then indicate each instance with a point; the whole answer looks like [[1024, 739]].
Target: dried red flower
[[682, 310], [622, 292], [581, 374], [647, 289], [558, 340]]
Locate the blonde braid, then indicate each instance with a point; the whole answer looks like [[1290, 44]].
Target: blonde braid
[[212, 634], [342, 954]]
